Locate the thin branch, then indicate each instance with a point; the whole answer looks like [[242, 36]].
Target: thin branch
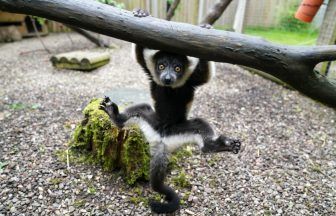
[[172, 9], [37, 33], [89, 36], [216, 12]]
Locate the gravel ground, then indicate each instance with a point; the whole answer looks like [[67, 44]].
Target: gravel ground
[[287, 166]]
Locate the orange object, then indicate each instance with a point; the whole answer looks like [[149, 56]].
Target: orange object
[[308, 10]]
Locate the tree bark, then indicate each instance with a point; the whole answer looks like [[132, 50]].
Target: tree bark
[[172, 9], [292, 64], [216, 12], [89, 36]]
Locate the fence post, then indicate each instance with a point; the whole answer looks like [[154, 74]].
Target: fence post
[[238, 24], [200, 10]]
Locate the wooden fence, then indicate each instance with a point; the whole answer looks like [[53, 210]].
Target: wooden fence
[[265, 13], [259, 13], [328, 36]]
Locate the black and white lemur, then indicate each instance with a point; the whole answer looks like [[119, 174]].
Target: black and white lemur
[[173, 79]]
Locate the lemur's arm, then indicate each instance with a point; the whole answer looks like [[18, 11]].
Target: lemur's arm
[[143, 111], [139, 52], [203, 72]]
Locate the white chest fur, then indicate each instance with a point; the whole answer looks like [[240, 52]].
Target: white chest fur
[[171, 143]]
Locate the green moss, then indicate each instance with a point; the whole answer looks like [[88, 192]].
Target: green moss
[[55, 181], [2, 166], [184, 198], [214, 160], [136, 200], [100, 142], [316, 168], [182, 180], [79, 203], [91, 190], [135, 157], [179, 156]]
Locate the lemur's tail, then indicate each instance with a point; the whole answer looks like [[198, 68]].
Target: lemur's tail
[[159, 163]]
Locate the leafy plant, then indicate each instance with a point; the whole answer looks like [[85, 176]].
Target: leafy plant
[[40, 20], [2, 166], [112, 3], [21, 106], [289, 22], [17, 106]]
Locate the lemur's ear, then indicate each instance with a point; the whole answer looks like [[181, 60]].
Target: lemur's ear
[[192, 64], [148, 55]]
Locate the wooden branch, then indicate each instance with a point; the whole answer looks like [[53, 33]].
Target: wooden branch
[[37, 33], [216, 12], [172, 9], [291, 64], [89, 36]]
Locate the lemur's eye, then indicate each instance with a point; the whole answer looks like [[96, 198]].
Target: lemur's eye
[[161, 66], [177, 69]]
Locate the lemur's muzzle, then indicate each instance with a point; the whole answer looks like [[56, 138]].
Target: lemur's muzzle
[[167, 78]]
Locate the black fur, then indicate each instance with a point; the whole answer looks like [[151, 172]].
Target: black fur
[[158, 172], [171, 105]]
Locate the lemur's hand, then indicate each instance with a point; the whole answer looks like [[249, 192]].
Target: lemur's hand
[[109, 107], [140, 13], [223, 143], [207, 26]]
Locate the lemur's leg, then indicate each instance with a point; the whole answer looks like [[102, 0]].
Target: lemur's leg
[[199, 131], [143, 111]]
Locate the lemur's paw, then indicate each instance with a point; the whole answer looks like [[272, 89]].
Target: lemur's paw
[[109, 107], [207, 26], [231, 144], [236, 144], [140, 12], [221, 144]]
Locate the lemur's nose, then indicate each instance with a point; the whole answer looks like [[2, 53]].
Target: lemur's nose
[[167, 80]]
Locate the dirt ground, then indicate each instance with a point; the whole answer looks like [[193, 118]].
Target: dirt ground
[[287, 165]]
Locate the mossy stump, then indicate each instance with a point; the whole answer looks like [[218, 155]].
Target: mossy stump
[[124, 149]]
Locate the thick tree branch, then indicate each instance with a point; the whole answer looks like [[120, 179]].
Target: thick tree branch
[[172, 9], [291, 64], [216, 12]]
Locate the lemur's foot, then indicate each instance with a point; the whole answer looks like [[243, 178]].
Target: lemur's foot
[[109, 107], [222, 143], [229, 144], [207, 26], [140, 12]]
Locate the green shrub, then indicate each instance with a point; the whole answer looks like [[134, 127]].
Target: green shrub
[[113, 3], [290, 23]]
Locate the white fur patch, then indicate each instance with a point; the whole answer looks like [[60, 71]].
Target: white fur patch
[[192, 63], [171, 143], [148, 56], [176, 141], [151, 135], [189, 70]]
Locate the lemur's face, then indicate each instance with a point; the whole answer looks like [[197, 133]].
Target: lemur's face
[[169, 69]]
